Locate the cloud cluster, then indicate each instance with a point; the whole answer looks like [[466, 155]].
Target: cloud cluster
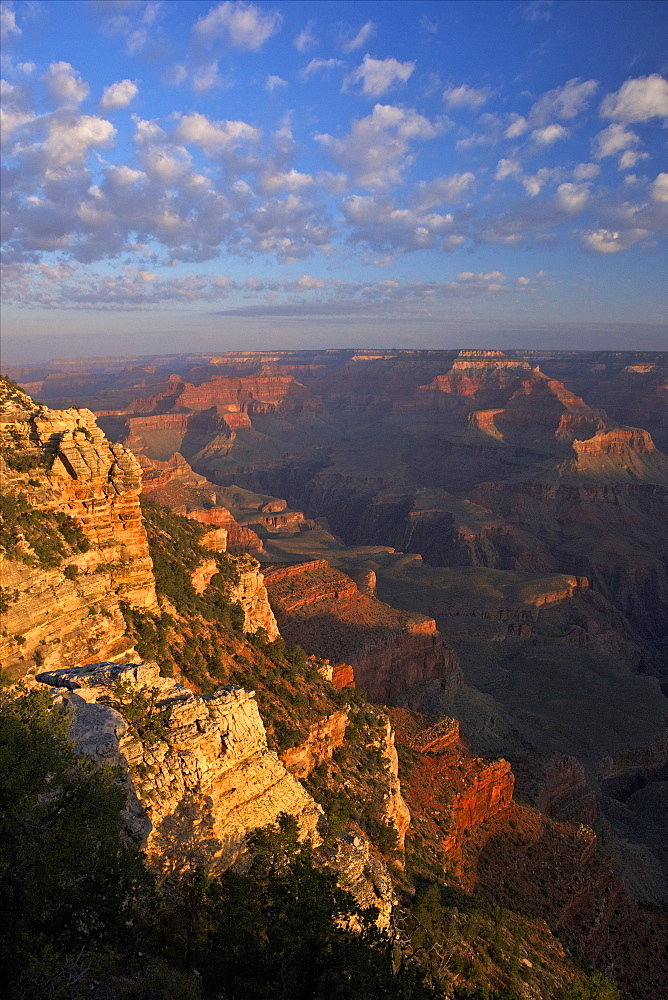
[[376, 151], [242, 25], [130, 288], [379, 75]]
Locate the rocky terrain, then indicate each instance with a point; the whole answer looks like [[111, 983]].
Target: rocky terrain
[[456, 533]]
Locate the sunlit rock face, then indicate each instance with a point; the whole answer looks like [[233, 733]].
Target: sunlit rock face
[[390, 651], [200, 784], [60, 463]]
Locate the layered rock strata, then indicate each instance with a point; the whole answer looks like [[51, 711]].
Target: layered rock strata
[[200, 785], [71, 469], [391, 651]]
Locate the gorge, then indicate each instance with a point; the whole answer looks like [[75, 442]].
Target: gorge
[[476, 540]]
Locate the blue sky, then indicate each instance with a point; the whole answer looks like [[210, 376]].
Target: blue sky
[[198, 176]]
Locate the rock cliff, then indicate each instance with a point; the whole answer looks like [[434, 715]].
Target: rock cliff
[[391, 651], [62, 596], [199, 784]]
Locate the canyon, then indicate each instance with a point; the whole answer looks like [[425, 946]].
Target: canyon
[[477, 540]]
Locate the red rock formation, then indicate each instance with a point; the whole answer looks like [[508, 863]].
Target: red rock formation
[[617, 441], [240, 539], [448, 792], [390, 651], [323, 739]]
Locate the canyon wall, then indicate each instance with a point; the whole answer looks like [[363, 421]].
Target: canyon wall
[[392, 652]]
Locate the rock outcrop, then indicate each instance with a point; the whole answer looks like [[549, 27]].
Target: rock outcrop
[[60, 463], [323, 739], [202, 782], [251, 594], [391, 651]]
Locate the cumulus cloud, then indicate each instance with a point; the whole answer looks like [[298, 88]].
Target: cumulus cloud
[[135, 22], [507, 168], [586, 171], [289, 180], [377, 149], [244, 25], [444, 190], [659, 188], [306, 39], [274, 83], [379, 75], [380, 225], [118, 95], [316, 65], [465, 97], [70, 139], [366, 32], [638, 100], [630, 158], [551, 133], [607, 241], [573, 198], [518, 126], [65, 84], [8, 25], [564, 102], [612, 140], [214, 137]]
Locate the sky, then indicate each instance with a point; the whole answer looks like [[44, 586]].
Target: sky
[[186, 176]]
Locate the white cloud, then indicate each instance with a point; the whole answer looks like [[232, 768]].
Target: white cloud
[[305, 40], [71, 139], [65, 84], [317, 64], [366, 32], [612, 140], [659, 188], [274, 82], [638, 100], [379, 224], [443, 190], [205, 77], [134, 23], [533, 184], [118, 95], [290, 180], [245, 25], [586, 171], [214, 137], [507, 168], [489, 276], [379, 75], [518, 126], [564, 102], [8, 25], [551, 133], [606, 241], [630, 158], [465, 97], [307, 282], [573, 198], [377, 148]]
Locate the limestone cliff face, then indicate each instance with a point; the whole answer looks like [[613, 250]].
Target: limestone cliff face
[[323, 739], [391, 651], [73, 470], [251, 593], [198, 789]]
